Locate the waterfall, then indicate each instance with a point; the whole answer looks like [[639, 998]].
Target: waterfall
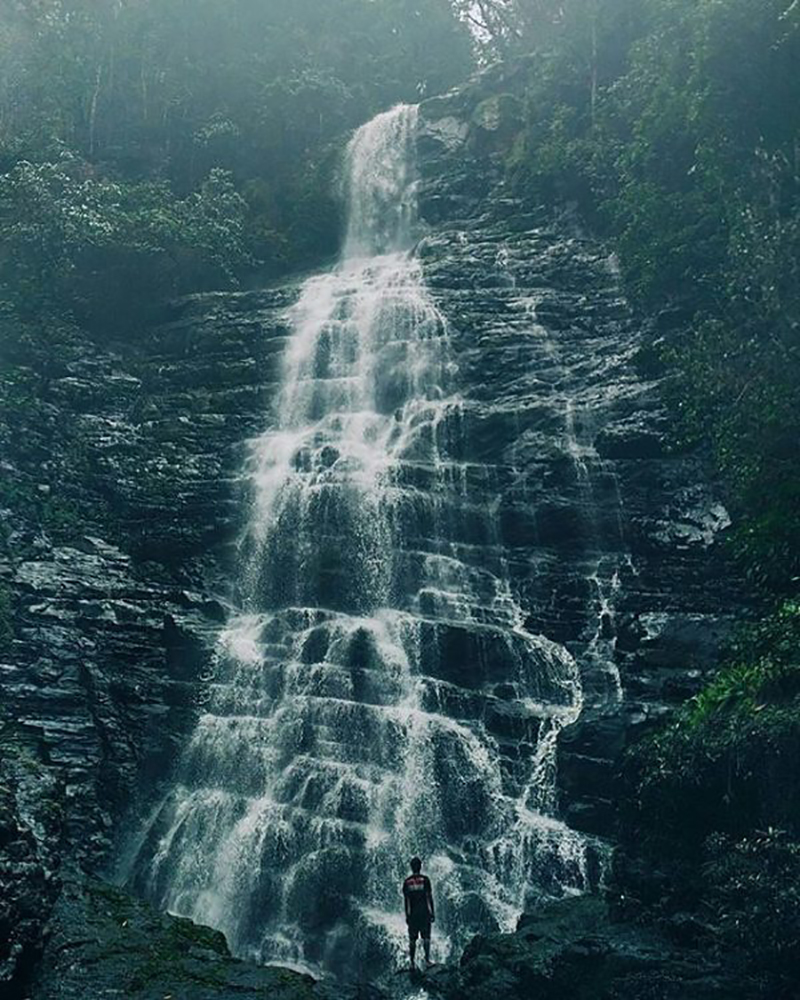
[[377, 694]]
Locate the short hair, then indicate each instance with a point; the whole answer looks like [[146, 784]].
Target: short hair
[[416, 865]]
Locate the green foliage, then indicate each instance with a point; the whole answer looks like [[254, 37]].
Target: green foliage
[[765, 670], [730, 773], [746, 688], [66, 233], [675, 124], [754, 897], [152, 147], [727, 762]]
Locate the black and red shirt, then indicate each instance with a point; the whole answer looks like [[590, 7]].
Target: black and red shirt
[[418, 897]]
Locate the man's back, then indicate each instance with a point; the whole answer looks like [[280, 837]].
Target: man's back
[[417, 890], [418, 899]]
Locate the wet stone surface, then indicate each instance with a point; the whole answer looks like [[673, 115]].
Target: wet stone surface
[[31, 812], [124, 503], [575, 949], [102, 943], [613, 540], [119, 502]]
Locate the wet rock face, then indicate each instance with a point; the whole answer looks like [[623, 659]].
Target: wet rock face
[[124, 504], [30, 819], [103, 943], [118, 501], [613, 541], [574, 949]]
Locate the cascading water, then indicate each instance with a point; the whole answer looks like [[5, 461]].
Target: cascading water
[[378, 695]]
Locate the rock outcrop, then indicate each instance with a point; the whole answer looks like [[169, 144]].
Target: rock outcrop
[[574, 949], [613, 537], [31, 816], [121, 504], [104, 943]]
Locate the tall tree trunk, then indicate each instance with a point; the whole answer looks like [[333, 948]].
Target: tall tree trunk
[[143, 90], [593, 15], [98, 82]]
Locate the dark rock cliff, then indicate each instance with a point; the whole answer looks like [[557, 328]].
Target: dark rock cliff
[[613, 539], [121, 506]]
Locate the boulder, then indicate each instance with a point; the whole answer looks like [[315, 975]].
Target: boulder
[[574, 949]]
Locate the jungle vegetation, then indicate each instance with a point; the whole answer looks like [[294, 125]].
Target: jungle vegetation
[[154, 147]]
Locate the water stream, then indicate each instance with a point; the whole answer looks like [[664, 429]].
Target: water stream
[[376, 695]]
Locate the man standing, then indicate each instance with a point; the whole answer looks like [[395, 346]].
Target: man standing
[[419, 910]]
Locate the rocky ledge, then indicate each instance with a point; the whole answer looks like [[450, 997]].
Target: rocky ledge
[[575, 950], [102, 943], [119, 504]]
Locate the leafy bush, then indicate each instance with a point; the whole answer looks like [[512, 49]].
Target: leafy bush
[[87, 245], [674, 125], [753, 898], [764, 672], [728, 761], [713, 801]]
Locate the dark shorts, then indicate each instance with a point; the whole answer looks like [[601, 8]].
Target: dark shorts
[[419, 926]]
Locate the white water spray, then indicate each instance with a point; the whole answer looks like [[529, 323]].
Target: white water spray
[[357, 709]]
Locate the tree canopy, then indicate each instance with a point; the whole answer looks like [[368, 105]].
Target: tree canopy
[[152, 147], [121, 121]]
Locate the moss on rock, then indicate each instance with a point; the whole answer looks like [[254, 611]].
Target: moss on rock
[[104, 942]]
